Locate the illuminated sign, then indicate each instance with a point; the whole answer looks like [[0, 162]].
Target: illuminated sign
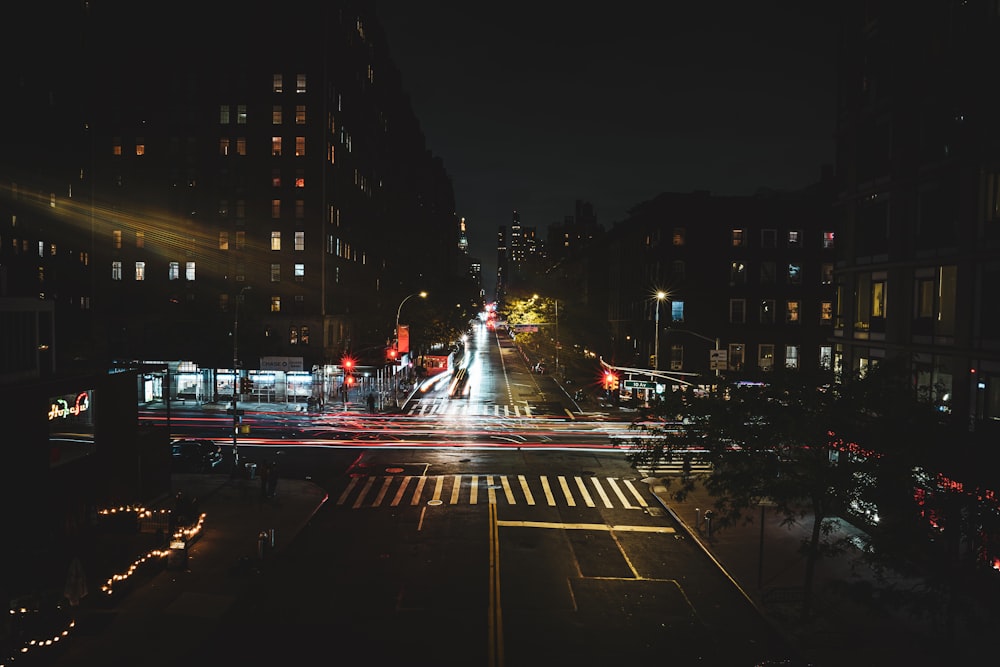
[[61, 409]]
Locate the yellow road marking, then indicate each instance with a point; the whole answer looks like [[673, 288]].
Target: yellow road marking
[[583, 490], [454, 491], [527, 491], [402, 489], [600, 490], [548, 492], [418, 490], [364, 492], [570, 500]]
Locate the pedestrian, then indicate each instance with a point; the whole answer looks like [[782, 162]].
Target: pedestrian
[[371, 402]]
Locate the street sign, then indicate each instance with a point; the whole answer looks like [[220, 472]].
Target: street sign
[[718, 359], [638, 384]]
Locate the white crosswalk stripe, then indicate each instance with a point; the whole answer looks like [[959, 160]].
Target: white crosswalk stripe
[[570, 491], [444, 407], [673, 469]]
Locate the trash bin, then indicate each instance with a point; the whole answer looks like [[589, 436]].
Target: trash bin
[[251, 470]]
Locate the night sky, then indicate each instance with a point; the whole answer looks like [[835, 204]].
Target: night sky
[[533, 105]]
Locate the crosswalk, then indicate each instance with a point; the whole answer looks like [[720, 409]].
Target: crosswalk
[[552, 491], [674, 468], [475, 409]]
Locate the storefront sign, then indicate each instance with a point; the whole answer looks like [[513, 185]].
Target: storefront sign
[[63, 409]]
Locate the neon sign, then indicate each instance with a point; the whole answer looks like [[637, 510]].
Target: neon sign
[[61, 409]]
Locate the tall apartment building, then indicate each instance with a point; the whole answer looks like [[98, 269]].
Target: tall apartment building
[[159, 169], [751, 276], [918, 174]]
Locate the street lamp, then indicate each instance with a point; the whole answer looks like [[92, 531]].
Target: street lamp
[[236, 376], [422, 295], [660, 296]]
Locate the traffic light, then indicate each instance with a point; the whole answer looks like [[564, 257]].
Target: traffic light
[[390, 353], [348, 363], [610, 381], [349, 380]]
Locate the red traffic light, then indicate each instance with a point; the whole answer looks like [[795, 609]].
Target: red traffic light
[[390, 353], [349, 380], [347, 362]]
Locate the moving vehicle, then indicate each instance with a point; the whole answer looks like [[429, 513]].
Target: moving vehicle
[[194, 455]]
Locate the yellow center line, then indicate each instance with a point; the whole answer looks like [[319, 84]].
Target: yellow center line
[[665, 530], [491, 493]]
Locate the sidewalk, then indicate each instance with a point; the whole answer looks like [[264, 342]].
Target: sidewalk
[[841, 631], [163, 618]]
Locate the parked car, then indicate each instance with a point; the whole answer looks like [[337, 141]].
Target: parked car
[[195, 455]]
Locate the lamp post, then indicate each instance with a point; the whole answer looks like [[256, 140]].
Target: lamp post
[[660, 296], [395, 388], [236, 377]]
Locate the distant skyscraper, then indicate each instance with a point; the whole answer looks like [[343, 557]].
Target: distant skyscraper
[[463, 240]]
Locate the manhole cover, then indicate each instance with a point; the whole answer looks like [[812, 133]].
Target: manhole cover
[[435, 502], [394, 471]]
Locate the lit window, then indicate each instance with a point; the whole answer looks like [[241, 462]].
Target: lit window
[[275, 240], [300, 146], [116, 270], [300, 240], [878, 299], [293, 336], [825, 311], [140, 146], [241, 145], [793, 238], [767, 311], [276, 85], [826, 357], [794, 274], [116, 237], [223, 240], [275, 208], [276, 146], [738, 239], [735, 356], [300, 83], [276, 115], [792, 311], [140, 270], [223, 146], [300, 178], [765, 356], [300, 272], [300, 114], [826, 273], [241, 114], [140, 239], [275, 304], [304, 335], [737, 273], [174, 271], [737, 311], [827, 239], [276, 178], [275, 273], [116, 146], [791, 356], [224, 114], [677, 311], [189, 271]]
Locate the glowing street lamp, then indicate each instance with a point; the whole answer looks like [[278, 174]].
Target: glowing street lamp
[[422, 295], [660, 296]]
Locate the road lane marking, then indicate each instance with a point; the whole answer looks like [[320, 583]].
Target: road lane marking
[[350, 487], [495, 612], [664, 530], [621, 496], [527, 490], [548, 492], [583, 490], [600, 490], [491, 493], [570, 500], [456, 489], [364, 492], [507, 490], [402, 489], [474, 490], [382, 491], [439, 484], [635, 492], [418, 490]]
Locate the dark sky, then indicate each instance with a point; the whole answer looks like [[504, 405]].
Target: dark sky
[[533, 105]]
